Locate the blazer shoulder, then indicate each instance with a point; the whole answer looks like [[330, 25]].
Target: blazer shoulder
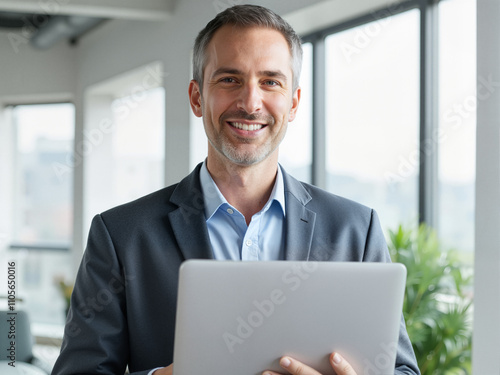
[[344, 230]]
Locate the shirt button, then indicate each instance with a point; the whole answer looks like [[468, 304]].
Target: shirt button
[[249, 243], [230, 211]]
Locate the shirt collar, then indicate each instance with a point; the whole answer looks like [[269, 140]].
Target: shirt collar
[[214, 199]]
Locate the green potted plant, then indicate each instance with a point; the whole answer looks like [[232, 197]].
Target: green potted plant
[[66, 291], [437, 303]]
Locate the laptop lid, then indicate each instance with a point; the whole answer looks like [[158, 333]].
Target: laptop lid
[[241, 317]]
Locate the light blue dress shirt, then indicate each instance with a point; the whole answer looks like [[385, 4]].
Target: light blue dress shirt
[[230, 236]]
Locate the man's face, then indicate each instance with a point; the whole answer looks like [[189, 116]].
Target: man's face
[[247, 98]]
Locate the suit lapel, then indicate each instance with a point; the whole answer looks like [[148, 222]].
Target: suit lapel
[[188, 220], [300, 221], [190, 229]]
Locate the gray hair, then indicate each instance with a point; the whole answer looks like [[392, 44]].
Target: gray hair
[[246, 16]]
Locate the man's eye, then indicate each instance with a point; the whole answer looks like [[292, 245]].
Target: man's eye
[[228, 80], [270, 82]]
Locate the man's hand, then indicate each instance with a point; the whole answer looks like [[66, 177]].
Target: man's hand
[[164, 371], [339, 364]]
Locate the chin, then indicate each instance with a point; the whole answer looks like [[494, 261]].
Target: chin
[[245, 160]]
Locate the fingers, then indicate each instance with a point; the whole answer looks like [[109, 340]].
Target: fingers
[[164, 371], [297, 368], [294, 367], [340, 365]]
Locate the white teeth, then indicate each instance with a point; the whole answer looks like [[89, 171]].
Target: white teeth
[[250, 127]]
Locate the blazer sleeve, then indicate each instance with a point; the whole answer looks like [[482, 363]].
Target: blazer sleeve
[[375, 246], [96, 339], [376, 251]]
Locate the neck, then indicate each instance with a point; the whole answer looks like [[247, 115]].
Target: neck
[[247, 188]]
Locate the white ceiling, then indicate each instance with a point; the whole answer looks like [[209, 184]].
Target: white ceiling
[[327, 13], [113, 9]]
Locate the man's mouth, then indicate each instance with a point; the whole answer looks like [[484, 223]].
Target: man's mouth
[[247, 127]]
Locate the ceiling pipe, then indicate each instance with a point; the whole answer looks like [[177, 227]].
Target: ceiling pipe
[[62, 27]]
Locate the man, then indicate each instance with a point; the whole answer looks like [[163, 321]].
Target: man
[[239, 204]]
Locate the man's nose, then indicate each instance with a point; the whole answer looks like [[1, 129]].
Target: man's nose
[[250, 98]]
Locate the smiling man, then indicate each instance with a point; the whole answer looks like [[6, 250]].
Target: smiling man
[[239, 204], [246, 100]]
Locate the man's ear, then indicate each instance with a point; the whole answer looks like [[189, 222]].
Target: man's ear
[[295, 104], [195, 98]]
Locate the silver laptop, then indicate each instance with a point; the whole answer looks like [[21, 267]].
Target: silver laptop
[[241, 317]]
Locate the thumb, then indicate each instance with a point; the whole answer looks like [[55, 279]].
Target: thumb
[[340, 365]]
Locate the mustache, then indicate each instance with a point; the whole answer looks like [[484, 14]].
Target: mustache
[[247, 116]]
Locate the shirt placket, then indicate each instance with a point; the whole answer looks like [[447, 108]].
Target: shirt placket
[[250, 246]]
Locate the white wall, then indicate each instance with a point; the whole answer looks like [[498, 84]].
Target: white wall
[[486, 339], [28, 75]]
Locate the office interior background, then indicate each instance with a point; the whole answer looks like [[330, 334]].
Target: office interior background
[[399, 111]]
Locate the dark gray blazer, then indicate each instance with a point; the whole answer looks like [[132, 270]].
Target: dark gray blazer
[[124, 302]]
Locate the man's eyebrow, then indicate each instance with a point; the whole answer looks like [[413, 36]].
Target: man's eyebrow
[[274, 74], [224, 70]]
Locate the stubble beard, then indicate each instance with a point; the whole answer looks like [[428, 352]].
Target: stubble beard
[[235, 154]]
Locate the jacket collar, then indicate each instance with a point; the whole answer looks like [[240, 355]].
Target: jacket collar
[[189, 224], [188, 220], [299, 220]]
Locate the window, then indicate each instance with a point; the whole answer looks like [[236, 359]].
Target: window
[[457, 124], [43, 187], [296, 148], [124, 140], [37, 143], [400, 124], [372, 116], [197, 140], [383, 111]]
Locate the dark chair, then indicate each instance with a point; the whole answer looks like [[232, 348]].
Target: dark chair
[[15, 336]]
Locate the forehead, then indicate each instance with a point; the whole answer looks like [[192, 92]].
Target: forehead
[[247, 47]]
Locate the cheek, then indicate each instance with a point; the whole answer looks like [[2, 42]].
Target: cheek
[[280, 106], [218, 105]]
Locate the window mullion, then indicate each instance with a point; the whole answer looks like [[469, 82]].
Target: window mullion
[[428, 179], [319, 113]]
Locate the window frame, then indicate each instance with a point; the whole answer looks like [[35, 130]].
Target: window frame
[[428, 122]]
